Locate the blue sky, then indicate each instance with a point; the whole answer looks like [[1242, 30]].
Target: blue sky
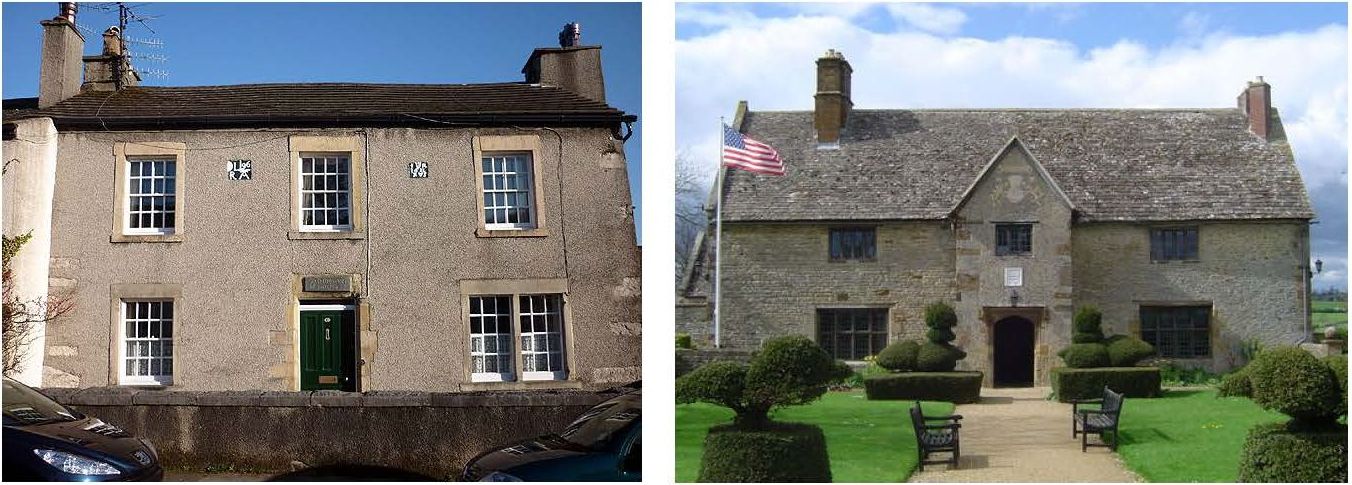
[[217, 43], [949, 55]]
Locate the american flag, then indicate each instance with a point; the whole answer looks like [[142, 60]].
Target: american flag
[[740, 151]]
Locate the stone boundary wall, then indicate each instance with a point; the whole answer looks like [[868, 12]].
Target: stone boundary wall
[[434, 433], [688, 359]]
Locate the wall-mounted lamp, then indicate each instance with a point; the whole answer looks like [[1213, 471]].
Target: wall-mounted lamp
[[1319, 266], [1013, 297]]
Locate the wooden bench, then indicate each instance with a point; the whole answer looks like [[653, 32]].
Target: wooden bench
[[935, 438], [1096, 421]]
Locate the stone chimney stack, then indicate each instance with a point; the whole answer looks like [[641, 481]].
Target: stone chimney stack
[[101, 71], [1256, 103], [571, 66], [62, 49], [833, 97]]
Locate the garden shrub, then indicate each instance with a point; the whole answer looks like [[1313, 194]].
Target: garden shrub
[[1088, 326], [954, 387], [1127, 351], [1070, 384], [940, 318], [1273, 453], [1178, 375], [899, 357], [782, 452], [1291, 381], [1338, 363], [1235, 384], [683, 341], [786, 371], [1086, 356], [934, 357]]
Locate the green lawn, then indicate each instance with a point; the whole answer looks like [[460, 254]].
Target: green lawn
[[868, 441], [1329, 313], [1188, 435]]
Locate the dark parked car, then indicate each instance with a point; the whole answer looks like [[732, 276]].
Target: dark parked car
[[45, 441], [602, 445]]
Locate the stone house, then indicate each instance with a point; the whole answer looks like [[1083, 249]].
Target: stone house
[[1185, 227], [432, 237]]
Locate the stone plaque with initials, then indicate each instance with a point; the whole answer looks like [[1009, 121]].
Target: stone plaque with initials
[[1013, 276], [332, 284]]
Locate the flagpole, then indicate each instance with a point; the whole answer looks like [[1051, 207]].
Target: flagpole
[[718, 241]]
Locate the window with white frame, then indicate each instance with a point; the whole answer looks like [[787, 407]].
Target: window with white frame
[[151, 193], [490, 338], [325, 192], [539, 331], [507, 190], [148, 342], [541, 337]]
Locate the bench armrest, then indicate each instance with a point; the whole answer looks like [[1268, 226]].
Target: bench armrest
[[1096, 411], [1097, 400]]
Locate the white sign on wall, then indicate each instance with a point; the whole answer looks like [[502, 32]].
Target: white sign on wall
[[1013, 276]]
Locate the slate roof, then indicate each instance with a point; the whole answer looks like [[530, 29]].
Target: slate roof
[[325, 104], [1114, 165]]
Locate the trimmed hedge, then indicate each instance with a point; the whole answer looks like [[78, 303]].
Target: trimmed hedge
[[1339, 365], [1236, 384], [1272, 453], [899, 357], [954, 387], [683, 341], [784, 452], [1086, 356], [934, 357], [1088, 326], [1069, 384], [1127, 351], [1291, 381]]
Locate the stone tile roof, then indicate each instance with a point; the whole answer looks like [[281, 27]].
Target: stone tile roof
[[328, 103], [1114, 165]]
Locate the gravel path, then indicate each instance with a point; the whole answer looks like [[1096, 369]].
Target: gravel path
[[1017, 435]]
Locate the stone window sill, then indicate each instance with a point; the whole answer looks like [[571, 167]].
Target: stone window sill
[[519, 385], [146, 238], [537, 232], [344, 235]]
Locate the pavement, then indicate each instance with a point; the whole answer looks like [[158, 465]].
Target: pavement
[[1017, 435], [197, 476]]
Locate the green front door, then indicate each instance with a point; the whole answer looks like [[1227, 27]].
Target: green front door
[[327, 357]]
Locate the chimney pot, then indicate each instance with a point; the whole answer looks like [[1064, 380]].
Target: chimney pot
[[571, 36], [833, 102], [68, 10]]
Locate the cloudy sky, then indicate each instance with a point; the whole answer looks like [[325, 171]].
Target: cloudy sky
[[1034, 56]]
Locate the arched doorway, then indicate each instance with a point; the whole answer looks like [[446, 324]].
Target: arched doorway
[[1013, 341]]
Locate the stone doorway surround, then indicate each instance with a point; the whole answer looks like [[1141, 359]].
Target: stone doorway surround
[[990, 316]]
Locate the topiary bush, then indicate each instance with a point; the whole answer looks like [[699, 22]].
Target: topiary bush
[[954, 387], [1086, 356], [1236, 384], [786, 371], [1291, 381], [1272, 453], [1069, 384], [899, 357], [1127, 351], [782, 452], [683, 341], [940, 318], [1088, 326], [933, 357]]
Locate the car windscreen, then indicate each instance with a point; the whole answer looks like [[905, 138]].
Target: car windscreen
[[24, 406], [600, 425]]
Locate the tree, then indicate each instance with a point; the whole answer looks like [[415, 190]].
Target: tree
[[692, 190]]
